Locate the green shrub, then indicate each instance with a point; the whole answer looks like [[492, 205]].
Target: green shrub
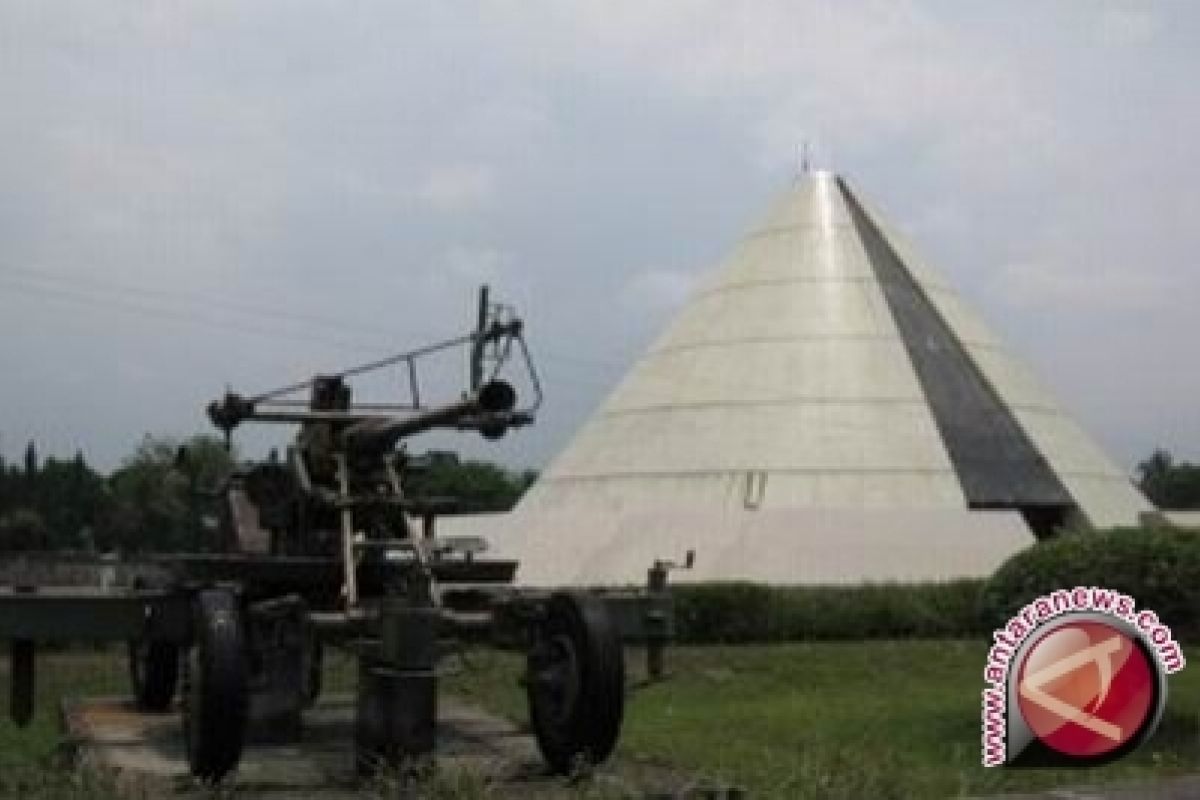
[[723, 612], [1158, 568], [736, 612]]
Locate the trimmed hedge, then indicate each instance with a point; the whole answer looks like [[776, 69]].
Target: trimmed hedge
[[737, 612], [1158, 567]]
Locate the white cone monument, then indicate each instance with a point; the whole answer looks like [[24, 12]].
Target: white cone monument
[[824, 409]]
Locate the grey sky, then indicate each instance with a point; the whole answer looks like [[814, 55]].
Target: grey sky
[[168, 169]]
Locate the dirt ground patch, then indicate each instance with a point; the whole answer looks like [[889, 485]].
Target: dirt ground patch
[[479, 755]]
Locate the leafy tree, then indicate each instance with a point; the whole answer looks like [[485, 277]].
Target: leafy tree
[[156, 499], [156, 494], [64, 496], [1169, 484], [1153, 472], [527, 479], [31, 461], [478, 485], [23, 529]]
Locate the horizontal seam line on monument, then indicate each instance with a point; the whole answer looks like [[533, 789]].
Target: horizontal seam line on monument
[[837, 337], [801, 400], [740, 472], [786, 401], [776, 230], [739, 286]]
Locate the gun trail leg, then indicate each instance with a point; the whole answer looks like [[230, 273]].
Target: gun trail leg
[[21, 657]]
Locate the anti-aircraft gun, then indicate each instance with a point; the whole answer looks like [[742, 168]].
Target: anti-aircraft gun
[[344, 481], [330, 548]]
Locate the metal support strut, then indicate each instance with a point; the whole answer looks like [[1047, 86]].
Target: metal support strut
[[349, 562], [396, 718]]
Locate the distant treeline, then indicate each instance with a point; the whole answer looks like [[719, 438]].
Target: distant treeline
[[157, 501]]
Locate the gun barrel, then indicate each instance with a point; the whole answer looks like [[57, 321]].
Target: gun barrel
[[492, 403]]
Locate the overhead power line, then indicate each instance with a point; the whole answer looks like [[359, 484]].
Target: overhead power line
[[184, 316], [77, 282], [198, 310]]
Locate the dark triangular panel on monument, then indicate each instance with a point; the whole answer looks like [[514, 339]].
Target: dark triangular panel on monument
[[996, 463]]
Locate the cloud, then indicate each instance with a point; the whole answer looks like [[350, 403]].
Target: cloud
[[658, 290], [457, 187], [1044, 157], [1051, 287], [1130, 26], [476, 265], [852, 76], [510, 122]]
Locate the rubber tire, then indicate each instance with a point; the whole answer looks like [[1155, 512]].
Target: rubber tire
[[216, 689], [588, 729], [154, 673]]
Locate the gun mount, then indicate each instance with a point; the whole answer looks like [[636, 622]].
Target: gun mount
[[331, 549]]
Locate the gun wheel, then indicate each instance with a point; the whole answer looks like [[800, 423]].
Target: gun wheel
[[153, 671], [215, 694], [575, 682]]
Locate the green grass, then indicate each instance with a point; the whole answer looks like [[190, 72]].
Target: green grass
[[32, 759], [830, 720]]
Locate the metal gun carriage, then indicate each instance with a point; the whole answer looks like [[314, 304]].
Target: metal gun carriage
[[330, 548]]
